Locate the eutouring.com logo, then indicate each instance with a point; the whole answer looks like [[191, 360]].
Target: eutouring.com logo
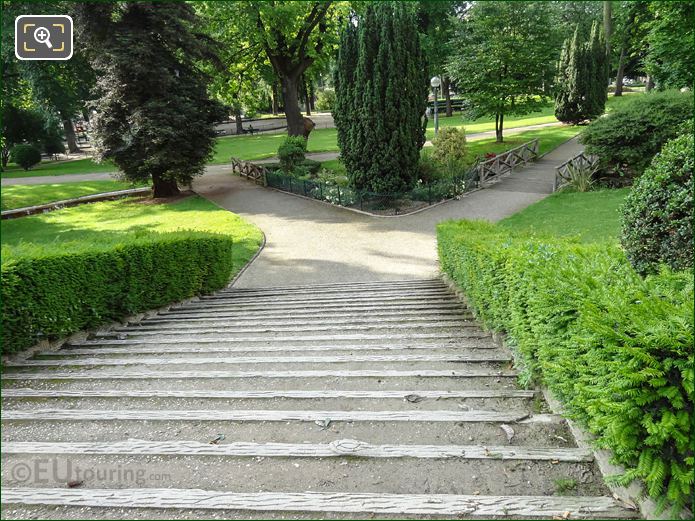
[[46, 471]]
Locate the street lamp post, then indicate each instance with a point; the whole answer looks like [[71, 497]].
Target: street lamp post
[[435, 82]]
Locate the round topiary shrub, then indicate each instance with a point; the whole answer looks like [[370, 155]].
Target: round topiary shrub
[[450, 144], [658, 212], [25, 156], [292, 153]]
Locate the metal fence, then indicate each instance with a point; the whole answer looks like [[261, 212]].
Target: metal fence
[[424, 194]]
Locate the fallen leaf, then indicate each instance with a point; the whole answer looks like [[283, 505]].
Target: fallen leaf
[[217, 439], [508, 431], [74, 483], [413, 398], [323, 423]]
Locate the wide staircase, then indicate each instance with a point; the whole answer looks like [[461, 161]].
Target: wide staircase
[[379, 400]]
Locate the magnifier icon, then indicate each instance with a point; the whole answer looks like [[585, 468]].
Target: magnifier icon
[[42, 35]]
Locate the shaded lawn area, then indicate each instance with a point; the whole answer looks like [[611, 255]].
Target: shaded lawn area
[[20, 196], [106, 224], [592, 216], [50, 167]]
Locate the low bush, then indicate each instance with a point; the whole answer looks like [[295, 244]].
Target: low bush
[[658, 212], [308, 166], [25, 156], [53, 145], [292, 153], [614, 347], [450, 144], [628, 138], [325, 99], [51, 296]]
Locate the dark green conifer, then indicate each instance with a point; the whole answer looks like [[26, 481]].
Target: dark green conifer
[[379, 106]]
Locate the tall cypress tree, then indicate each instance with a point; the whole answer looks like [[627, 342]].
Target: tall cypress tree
[[379, 106], [597, 72], [582, 78]]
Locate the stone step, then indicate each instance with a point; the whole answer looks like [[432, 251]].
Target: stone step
[[444, 298], [336, 449], [270, 415], [336, 316], [142, 349], [339, 286], [396, 337], [242, 360], [293, 323], [240, 375], [492, 474], [234, 327], [114, 398], [328, 310], [457, 506], [551, 433], [327, 295]]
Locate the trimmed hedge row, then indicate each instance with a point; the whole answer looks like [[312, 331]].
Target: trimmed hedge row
[[50, 297], [616, 348]]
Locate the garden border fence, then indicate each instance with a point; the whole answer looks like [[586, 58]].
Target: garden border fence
[[481, 174], [567, 171]]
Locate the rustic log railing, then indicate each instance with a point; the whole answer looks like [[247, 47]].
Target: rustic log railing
[[249, 170], [505, 162], [581, 165]]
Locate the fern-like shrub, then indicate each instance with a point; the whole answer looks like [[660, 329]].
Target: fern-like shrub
[[616, 348]]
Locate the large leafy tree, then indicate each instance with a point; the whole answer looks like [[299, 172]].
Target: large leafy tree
[[58, 87], [669, 59], [502, 62], [381, 95], [154, 118], [293, 35]]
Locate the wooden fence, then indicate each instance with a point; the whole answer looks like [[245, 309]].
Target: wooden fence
[[581, 165], [504, 163], [249, 170]]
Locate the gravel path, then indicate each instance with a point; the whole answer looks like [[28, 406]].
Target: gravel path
[[309, 242]]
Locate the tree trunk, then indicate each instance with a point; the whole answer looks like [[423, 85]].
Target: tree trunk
[[69, 134], [619, 75], [290, 96], [237, 120], [164, 187], [649, 85], [447, 96], [608, 27], [499, 126], [5, 157], [275, 98], [312, 96], [307, 100]]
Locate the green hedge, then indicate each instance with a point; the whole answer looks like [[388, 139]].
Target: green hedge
[[616, 348], [51, 296]]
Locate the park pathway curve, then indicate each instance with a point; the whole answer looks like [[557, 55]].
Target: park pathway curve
[[309, 242], [352, 400]]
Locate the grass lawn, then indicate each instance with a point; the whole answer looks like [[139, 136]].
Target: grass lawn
[[20, 196], [115, 222], [321, 140], [50, 167], [593, 216]]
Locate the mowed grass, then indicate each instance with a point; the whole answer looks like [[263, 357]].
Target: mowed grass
[[107, 224], [591, 216], [263, 146], [20, 196], [51, 167]]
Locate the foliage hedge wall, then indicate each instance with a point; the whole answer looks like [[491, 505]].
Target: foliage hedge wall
[[49, 297], [616, 348]]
